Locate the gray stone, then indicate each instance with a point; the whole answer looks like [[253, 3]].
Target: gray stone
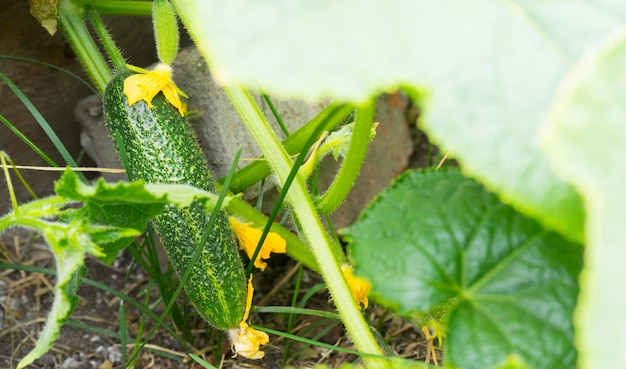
[[71, 363]]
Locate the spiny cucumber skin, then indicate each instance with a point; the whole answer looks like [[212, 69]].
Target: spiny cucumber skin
[[161, 148]]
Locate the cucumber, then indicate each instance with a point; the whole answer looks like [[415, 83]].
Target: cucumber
[[161, 148]]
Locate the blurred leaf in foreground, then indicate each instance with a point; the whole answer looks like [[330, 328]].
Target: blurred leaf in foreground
[[586, 138], [490, 70]]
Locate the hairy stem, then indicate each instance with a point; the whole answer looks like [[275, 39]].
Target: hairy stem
[[352, 162], [106, 40], [71, 18], [313, 230]]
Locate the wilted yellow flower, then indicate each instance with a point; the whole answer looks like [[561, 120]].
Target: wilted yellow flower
[[358, 286], [246, 314], [247, 341], [147, 84], [249, 238]]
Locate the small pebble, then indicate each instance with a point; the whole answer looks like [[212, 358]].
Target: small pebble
[[114, 355], [71, 363]]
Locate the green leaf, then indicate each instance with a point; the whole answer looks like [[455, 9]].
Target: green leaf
[[586, 139], [69, 249], [69, 241], [65, 301], [137, 192], [490, 67], [512, 362], [126, 205], [436, 236]]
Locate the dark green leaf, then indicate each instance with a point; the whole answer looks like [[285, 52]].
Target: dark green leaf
[[435, 236]]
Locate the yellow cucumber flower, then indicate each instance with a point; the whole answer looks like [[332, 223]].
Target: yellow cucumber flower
[[249, 238], [358, 286], [147, 84], [246, 341]]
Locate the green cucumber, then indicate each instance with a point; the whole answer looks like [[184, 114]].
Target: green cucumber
[[161, 147]]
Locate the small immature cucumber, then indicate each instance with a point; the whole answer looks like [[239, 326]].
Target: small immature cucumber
[[161, 148]]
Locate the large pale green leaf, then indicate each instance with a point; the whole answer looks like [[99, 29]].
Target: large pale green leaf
[[436, 236], [586, 137], [490, 68]]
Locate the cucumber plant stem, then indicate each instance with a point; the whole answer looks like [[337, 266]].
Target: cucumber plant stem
[[118, 61], [349, 171], [71, 19], [122, 7], [314, 232]]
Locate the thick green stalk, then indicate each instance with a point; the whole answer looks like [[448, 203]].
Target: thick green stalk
[[71, 19], [118, 61], [122, 7], [313, 230]]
